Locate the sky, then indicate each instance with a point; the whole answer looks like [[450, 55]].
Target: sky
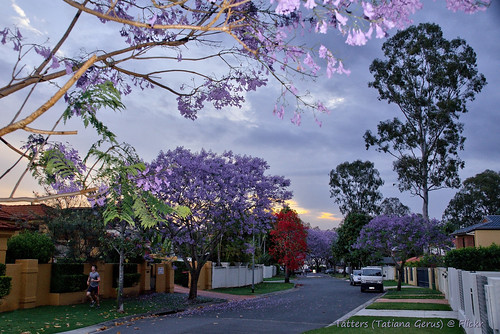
[[305, 154]]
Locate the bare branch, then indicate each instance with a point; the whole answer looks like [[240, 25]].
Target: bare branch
[[48, 132], [40, 111], [48, 197]]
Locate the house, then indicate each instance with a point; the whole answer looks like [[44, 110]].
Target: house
[[11, 219], [483, 234]]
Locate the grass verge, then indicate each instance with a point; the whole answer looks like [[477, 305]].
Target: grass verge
[[392, 325], [427, 296], [54, 319], [259, 289], [278, 278], [393, 283], [413, 291], [409, 306]]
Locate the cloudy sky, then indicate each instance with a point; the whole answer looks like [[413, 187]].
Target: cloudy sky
[[305, 154]]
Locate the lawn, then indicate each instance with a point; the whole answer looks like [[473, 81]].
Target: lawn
[[278, 278], [393, 283], [408, 306], [260, 288], [414, 291], [54, 319], [392, 325], [406, 296]]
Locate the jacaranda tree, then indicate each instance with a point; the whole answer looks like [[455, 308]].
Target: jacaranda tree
[[319, 246], [175, 46], [228, 195], [289, 241], [401, 238]]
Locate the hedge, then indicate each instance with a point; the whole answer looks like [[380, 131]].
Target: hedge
[[67, 277], [474, 259], [3, 268], [5, 285], [30, 245], [130, 275], [181, 275]]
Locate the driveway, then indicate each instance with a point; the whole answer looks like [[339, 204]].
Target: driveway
[[318, 300]]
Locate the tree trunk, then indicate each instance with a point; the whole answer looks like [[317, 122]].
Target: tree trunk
[[425, 206], [119, 299], [401, 274], [195, 276], [287, 275]]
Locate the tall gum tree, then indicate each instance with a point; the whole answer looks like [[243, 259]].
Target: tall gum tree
[[430, 79], [354, 187]]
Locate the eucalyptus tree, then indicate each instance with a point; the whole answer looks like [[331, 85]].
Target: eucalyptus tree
[[354, 187], [479, 196], [430, 79], [392, 206], [176, 47]]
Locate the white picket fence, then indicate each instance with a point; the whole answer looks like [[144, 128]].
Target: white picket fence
[[475, 296], [226, 276]]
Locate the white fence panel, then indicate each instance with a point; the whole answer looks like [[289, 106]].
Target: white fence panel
[[389, 272], [235, 276]]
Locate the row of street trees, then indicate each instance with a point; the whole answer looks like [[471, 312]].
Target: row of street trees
[[157, 49]]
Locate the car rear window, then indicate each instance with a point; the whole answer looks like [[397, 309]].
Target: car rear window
[[372, 272]]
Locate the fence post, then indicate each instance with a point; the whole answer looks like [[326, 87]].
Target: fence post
[[29, 279]]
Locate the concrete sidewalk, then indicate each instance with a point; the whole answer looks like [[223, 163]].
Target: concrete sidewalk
[[177, 289], [363, 311], [408, 313]]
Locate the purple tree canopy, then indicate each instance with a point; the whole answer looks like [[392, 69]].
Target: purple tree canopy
[[319, 244], [201, 53], [226, 193], [401, 237]]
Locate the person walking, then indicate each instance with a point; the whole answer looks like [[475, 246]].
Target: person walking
[[93, 289]]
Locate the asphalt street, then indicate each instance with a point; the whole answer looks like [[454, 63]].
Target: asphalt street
[[317, 301]]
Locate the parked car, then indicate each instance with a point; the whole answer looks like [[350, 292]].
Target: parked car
[[372, 279], [355, 277], [330, 271]]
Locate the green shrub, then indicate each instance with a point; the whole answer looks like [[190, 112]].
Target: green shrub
[[30, 245], [5, 285], [3, 268], [474, 259], [427, 261], [68, 283], [181, 273], [67, 277], [130, 275]]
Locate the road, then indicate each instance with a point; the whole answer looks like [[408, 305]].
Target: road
[[318, 300]]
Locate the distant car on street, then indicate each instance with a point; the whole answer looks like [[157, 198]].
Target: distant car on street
[[330, 271], [355, 277], [372, 278]]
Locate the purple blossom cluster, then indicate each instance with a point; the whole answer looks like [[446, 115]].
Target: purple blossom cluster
[[401, 237], [263, 45], [226, 194], [319, 244]]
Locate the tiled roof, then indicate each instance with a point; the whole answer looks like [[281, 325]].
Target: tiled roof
[[10, 214], [488, 223]]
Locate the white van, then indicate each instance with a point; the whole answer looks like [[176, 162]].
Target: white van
[[372, 279]]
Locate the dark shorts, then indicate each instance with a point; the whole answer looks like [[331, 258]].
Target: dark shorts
[[93, 289]]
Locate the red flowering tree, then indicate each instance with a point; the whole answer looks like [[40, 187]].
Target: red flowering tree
[[289, 241]]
